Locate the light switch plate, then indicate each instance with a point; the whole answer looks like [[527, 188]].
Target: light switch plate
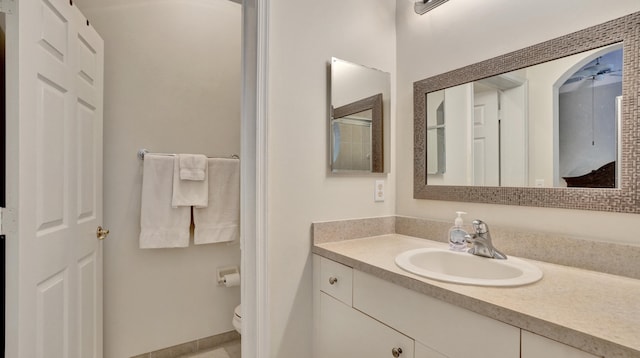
[[379, 191]]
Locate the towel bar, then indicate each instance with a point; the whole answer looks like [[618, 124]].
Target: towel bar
[[142, 152]]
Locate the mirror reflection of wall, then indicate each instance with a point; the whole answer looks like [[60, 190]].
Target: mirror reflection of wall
[[588, 122], [532, 127], [352, 141], [436, 152], [359, 121]]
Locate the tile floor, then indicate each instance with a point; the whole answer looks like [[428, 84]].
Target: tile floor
[[226, 350]]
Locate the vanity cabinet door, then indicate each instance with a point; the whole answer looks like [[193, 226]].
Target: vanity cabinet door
[[450, 330], [535, 346], [423, 351], [345, 332]]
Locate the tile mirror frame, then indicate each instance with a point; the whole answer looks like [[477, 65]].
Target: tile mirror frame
[[626, 198]]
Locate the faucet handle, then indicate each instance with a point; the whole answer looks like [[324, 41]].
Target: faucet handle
[[480, 226]]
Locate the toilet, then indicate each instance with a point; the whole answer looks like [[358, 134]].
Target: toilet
[[237, 319]]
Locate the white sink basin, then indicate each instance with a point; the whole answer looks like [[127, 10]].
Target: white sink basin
[[468, 269]]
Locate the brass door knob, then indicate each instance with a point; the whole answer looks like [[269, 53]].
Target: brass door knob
[[396, 352], [333, 280], [101, 233]]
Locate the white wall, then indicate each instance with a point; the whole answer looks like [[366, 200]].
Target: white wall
[[303, 37], [172, 84], [463, 32]]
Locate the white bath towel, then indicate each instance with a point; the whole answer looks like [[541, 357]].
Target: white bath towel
[[193, 167], [219, 222], [161, 225], [189, 192]]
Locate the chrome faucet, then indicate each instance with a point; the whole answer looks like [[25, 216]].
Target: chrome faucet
[[481, 242]]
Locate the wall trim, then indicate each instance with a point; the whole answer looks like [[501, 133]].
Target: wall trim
[[254, 186], [192, 347], [262, 239]]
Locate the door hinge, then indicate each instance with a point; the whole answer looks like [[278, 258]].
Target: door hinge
[[7, 6]]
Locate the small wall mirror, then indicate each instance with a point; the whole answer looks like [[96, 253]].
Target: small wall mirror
[[359, 118]]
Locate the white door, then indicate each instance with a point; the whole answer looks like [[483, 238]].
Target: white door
[[55, 291], [486, 139]]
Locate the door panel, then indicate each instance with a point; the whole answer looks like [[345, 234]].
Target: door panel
[[57, 138], [486, 139], [50, 156], [55, 28], [87, 58], [86, 124], [51, 319], [88, 308], [88, 81]]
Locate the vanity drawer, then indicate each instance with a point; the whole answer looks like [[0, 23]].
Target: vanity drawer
[[336, 280]]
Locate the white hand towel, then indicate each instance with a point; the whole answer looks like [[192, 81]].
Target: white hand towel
[[219, 221], [193, 167], [161, 225], [189, 192]]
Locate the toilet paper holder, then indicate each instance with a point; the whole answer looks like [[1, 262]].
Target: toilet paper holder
[[223, 271]]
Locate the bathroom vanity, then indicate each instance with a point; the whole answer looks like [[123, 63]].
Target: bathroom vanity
[[366, 306]]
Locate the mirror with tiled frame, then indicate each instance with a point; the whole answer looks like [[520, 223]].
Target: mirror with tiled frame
[[624, 198]]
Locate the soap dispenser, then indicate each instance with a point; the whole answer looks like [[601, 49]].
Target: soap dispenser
[[457, 240]]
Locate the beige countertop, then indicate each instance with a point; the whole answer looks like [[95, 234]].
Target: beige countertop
[[595, 312]]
